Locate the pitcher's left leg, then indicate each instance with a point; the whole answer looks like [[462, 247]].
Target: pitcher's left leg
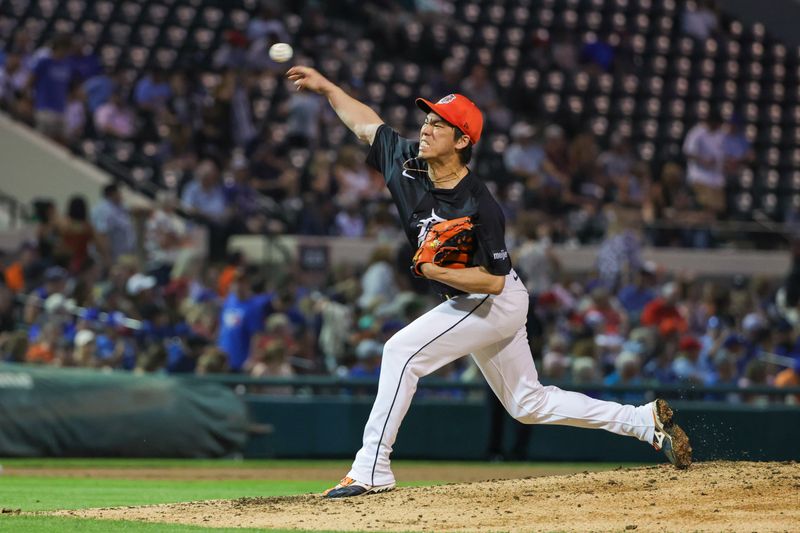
[[510, 371]]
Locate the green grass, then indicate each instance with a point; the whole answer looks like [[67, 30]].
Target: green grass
[[50, 524], [175, 463], [53, 493]]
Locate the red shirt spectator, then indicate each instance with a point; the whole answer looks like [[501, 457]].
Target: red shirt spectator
[[665, 308]]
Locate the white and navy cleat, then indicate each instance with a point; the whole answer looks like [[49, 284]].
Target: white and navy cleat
[[669, 437], [349, 487]]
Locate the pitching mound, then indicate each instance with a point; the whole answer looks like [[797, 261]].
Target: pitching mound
[[716, 496]]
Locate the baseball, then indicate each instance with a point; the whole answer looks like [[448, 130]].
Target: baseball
[[280, 52]]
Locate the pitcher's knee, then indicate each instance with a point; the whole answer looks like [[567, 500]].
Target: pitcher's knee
[[527, 409], [396, 352]]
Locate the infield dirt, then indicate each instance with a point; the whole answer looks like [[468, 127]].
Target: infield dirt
[[713, 496]]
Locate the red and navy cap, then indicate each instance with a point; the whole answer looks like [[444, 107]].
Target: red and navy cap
[[459, 111]]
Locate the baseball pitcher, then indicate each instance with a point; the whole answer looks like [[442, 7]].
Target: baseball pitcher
[[458, 229]]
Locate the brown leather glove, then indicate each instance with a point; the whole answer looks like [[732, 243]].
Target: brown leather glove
[[448, 244]]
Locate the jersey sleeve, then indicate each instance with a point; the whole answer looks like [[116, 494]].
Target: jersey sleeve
[[490, 230], [389, 151]]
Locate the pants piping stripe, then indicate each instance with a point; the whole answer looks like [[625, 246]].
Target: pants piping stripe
[[400, 380]]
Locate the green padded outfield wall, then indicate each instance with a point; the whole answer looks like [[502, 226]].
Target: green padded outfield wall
[[75, 412], [72, 412], [441, 429]]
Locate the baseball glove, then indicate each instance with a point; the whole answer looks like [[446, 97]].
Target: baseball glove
[[448, 244]]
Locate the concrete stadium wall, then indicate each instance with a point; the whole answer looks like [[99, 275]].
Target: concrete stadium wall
[[340, 250], [35, 167]]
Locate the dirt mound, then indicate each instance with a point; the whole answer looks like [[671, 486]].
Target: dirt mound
[[715, 496]]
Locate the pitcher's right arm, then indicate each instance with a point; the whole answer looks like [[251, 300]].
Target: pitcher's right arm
[[358, 117]]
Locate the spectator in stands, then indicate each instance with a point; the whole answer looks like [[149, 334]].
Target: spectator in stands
[[790, 377], [670, 201], [700, 19], [43, 349], [76, 236], [47, 232], [204, 196], [556, 165], [99, 88], [619, 256], [536, 260], [318, 211], [737, 150], [242, 317], [349, 221], [304, 113], [627, 371], [687, 365], [636, 295], [232, 53], [115, 118], [524, 156], [564, 52], [13, 81], [7, 319], [479, 88], [617, 162], [704, 151], [51, 81], [598, 54], [663, 311], [276, 179], [355, 180], [241, 130], [267, 22], [75, 115], [368, 359], [378, 285], [166, 235], [85, 63], [660, 367], [152, 91], [448, 81], [243, 199], [271, 360], [22, 274], [151, 95], [113, 224]]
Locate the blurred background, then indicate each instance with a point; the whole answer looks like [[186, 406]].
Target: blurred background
[[175, 216]]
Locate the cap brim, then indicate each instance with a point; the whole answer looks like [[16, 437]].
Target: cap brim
[[430, 107]]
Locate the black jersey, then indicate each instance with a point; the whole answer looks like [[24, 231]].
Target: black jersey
[[421, 204]]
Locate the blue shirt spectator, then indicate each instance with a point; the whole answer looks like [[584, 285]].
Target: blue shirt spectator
[[634, 297], [242, 316], [204, 195], [85, 66], [52, 78], [152, 91], [98, 91]]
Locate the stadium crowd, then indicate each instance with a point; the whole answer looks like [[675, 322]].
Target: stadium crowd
[[296, 169], [78, 296]]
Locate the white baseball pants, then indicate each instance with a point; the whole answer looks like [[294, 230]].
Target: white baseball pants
[[492, 329]]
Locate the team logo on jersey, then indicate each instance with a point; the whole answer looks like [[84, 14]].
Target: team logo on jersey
[[447, 99], [425, 224], [502, 254]]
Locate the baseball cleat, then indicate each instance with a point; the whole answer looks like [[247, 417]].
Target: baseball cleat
[[669, 437], [349, 487]]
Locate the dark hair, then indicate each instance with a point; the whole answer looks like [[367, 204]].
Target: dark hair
[[76, 209], [465, 154], [110, 189]]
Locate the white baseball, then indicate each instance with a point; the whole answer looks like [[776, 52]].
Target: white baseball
[[280, 52]]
